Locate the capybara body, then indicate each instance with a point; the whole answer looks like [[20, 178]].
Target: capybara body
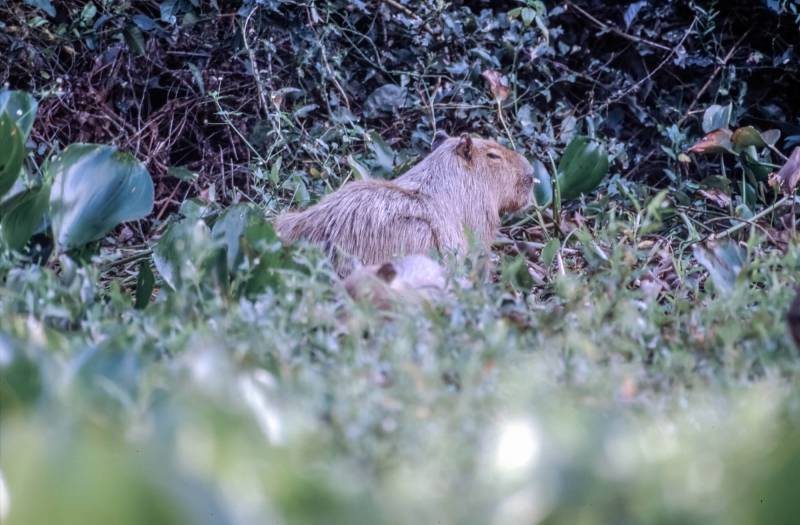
[[408, 279], [463, 185]]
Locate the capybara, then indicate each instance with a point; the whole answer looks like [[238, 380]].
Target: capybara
[[464, 184], [408, 279]]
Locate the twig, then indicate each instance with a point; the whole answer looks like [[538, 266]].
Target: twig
[[650, 75], [754, 218], [262, 98], [618, 32], [713, 76], [408, 12]]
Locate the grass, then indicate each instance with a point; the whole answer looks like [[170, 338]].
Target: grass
[[591, 399]]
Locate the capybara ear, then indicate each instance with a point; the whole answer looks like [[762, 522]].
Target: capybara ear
[[464, 147], [438, 139], [387, 272]]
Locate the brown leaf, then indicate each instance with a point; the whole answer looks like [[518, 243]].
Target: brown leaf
[[789, 174], [718, 141], [496, 84]]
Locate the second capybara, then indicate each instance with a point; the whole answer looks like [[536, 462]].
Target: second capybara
[[463, 185]]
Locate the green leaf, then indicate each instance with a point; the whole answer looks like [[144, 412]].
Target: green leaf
[[12, 152], [360, 171], [19, 224], [549, 251], [528, 15], [145, 283], [181, 173], [44, 5], [21, 106], [386, 99], [95, 188], [747, 136], [717, 117], [229, 228], [265, 254], [723, 261], [542, 186], [582, 167], [384, 154], [134, 39]]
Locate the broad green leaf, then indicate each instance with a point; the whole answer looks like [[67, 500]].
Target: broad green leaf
[[12, 152], [747, 136], [717, 117], [542, 186], [18, 191], [19, 224], [582, 167], [145, 283], [95, 188], [21, 106]]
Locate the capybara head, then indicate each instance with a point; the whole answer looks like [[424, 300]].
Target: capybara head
[[509, 175]]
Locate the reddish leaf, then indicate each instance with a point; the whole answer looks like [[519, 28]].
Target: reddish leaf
[[496, 84], [718, 141], [789, 174]]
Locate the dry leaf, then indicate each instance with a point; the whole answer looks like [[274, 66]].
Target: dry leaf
[[789, 174], [718, 141], [496, 84]]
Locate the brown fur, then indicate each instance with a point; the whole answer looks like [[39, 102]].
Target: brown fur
[[412, 278], [463, 184]]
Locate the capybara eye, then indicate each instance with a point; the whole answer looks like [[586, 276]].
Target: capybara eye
[[493, 155]]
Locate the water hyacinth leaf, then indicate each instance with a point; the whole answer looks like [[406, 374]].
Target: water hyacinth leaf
[[95, 188], [582, 167], [145, 282], [21, 106], [19, 224], [718, 141], [542, 186], [723, 262], [12, 152], [717, 117], [386, 99]]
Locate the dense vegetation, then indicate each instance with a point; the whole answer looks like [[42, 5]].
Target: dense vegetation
[[165, 359]]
